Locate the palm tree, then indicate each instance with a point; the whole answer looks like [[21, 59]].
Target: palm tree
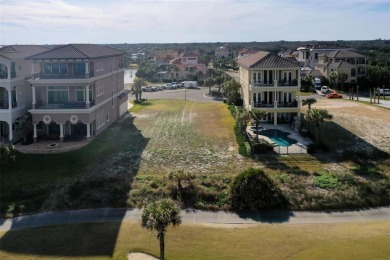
[[309, 79], [137, 87], [308, 102], [209, 83], [231, 90], [342, 77], [317, 117], [158, 216], [242, 119], [333, 79], [257, 115]]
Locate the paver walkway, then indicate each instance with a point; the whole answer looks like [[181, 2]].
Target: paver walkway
[[197, 217]]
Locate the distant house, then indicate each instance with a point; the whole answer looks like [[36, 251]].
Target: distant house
[[271, 83], [309, 55], [186, 67], [15, 93], [223, 52], [349, 62], [246, 52], [78, 91]]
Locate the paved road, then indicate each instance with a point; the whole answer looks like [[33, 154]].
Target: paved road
[[196, 217], [198, 94]]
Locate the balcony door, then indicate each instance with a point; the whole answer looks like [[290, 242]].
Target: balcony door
[[257, 77], [287, 76]]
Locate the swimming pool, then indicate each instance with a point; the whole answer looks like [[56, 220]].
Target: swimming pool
[[277, 136]]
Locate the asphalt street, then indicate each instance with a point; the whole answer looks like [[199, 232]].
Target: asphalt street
[[192, 216]]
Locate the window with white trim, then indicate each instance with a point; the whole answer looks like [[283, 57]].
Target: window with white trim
[[57, 95], [100, 88], [81, 94]]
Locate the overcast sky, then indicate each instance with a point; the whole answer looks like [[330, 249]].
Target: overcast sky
[[168, 21]]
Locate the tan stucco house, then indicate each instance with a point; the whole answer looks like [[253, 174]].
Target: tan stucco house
[[15, 92], [271, 83], [77, 92]]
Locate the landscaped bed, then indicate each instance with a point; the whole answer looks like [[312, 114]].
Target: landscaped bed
[[146, 154]]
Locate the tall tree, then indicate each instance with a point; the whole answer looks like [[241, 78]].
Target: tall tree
[[137, 87], [333, 79], [158, 216], [308, 102], [309, 79], [317, 117], [231, 88], [342, 77], [209, 83], [257, 115], [242, 119]]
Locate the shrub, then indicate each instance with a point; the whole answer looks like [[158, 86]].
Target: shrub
[[242, 144], [262, 146], [326, 181], [253, 190], [7, 155]]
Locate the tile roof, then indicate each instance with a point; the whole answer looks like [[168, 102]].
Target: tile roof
[[263, 59], [77, 51], [341, 64], [344, 54], [19, 52]]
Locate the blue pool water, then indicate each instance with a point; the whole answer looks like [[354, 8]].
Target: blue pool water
[[279, 137]]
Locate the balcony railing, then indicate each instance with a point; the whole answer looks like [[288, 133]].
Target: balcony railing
[[263, 83], [3, 75], [63, 76], [67, 105], [279, 105], [5, 104], [280, 83]]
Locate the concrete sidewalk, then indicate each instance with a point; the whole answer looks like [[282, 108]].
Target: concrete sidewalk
[[197, 217], [382, 103]]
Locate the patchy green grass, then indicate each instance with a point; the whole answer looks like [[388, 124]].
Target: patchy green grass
[[326, 181], [112, 240]]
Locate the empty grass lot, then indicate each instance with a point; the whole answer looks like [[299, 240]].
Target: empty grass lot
[[263, 241]]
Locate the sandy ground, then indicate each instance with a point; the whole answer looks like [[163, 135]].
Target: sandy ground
[[369, 123], [140, 256]]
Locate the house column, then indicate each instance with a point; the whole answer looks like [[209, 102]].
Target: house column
[[299, 90], [87, 68], [9, 71], [87, 102], [275, 79], [61, 133], [11, 133], [33, 97], [88, 130], [10, 99], [35, 136], [275, 118]]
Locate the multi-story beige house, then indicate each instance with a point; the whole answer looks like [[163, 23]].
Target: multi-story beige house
[[271, 83], [223, 52], [186, 67], [15, 92], [77, 92], [351, 63]]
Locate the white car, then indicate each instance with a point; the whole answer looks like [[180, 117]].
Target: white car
[[324, 89]]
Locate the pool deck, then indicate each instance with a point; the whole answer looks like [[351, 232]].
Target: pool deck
[[297, 148]]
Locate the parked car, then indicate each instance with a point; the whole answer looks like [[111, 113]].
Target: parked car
[[334, 95], [324, 89], [174, 84], [380, 91], [169, 86], [158, 88], [147, 89]]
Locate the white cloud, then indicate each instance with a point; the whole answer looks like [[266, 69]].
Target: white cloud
[[59, 21]]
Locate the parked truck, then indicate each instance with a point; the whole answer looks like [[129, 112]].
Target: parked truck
[[317, 83], [190, 84]]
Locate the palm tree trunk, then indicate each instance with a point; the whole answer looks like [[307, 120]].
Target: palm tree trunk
[[162, 246]]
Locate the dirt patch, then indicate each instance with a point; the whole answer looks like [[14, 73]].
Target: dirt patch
[[369, 125]]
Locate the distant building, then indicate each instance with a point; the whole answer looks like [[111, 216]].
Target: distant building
[[271, 83], [186, 66], [309, 55], [78, 91], [351, 63], [15, 92], [246, 52], [223, 52]]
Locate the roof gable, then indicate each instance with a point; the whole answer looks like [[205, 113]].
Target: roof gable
[[77, 51], [19, 52], [263, 59]]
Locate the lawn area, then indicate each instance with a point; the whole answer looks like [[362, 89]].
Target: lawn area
[[139, 157], [111, 240]]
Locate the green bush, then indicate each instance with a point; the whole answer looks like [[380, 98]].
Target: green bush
[[7, 155], [242, 144], [326, 181], [253, 190], [262, 146]]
